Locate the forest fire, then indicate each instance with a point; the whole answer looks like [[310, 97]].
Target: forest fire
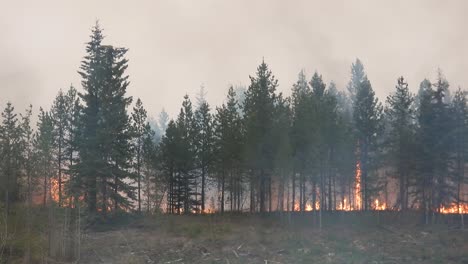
[[209, 211], [454, 209], [54, 190], [357, 190], [379, 206], [344, 206]]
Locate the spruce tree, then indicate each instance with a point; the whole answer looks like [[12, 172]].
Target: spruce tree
[[105, 137]]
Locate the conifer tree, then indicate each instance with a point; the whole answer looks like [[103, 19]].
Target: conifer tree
[[44, 146], [258, 117], [367, 114], [141, 130], [303, 138], [104, 144], [459, 111], [400, 138], [10, 136], [228, 149], [203, 142], [59, 114]]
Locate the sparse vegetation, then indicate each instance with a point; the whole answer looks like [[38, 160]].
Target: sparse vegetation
[[235, 238]]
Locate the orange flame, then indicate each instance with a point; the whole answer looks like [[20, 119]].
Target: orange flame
[[54, 189], [378, 206], [344, 206], [357, 190], [454, 209]]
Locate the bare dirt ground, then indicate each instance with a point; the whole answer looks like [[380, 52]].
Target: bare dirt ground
[[272, 239]]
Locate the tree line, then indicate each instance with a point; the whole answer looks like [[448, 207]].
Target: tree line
[[259, 151]]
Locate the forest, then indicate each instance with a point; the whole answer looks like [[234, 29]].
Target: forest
[[96, 155]]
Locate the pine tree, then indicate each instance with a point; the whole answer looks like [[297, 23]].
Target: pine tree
[[228, 149], [187, 179], [72, 141], [28, 167], [169, 154], [367, 120], [303, 139], [204, 142], [400, 139], [59, 114], [152, 191], [258, 117], [10, 136], [357, 77], [44, 146], [283, 162], [442, 190], [424, 146], [141, 130], [459, 111]]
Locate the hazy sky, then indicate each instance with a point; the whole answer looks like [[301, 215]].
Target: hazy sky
[[177, 45]]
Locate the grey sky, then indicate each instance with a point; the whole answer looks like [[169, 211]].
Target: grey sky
[[177, 45]]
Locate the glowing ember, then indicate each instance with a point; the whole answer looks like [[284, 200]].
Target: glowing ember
[[357, 190]]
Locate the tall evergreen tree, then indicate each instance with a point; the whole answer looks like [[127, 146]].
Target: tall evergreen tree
[[59, 114], [228, 149], [44, 146], [10, 136], [141, 129], [400, 143], [203, 142], [459, 111], [258, 117], [105, 149], [357, 77], [303, 137], [367, 120]]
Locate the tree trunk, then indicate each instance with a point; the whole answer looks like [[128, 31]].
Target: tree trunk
[[222, 192], [203, 189], [293, 191]]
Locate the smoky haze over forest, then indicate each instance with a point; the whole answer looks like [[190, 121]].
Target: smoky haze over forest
[[176, 46]]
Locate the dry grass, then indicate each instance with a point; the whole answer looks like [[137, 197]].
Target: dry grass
[[272, 239]]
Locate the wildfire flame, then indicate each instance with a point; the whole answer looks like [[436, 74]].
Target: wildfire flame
[[357, 189], [209, 211], [344, 206], [54, 189], [454, 209], [378, 206]]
